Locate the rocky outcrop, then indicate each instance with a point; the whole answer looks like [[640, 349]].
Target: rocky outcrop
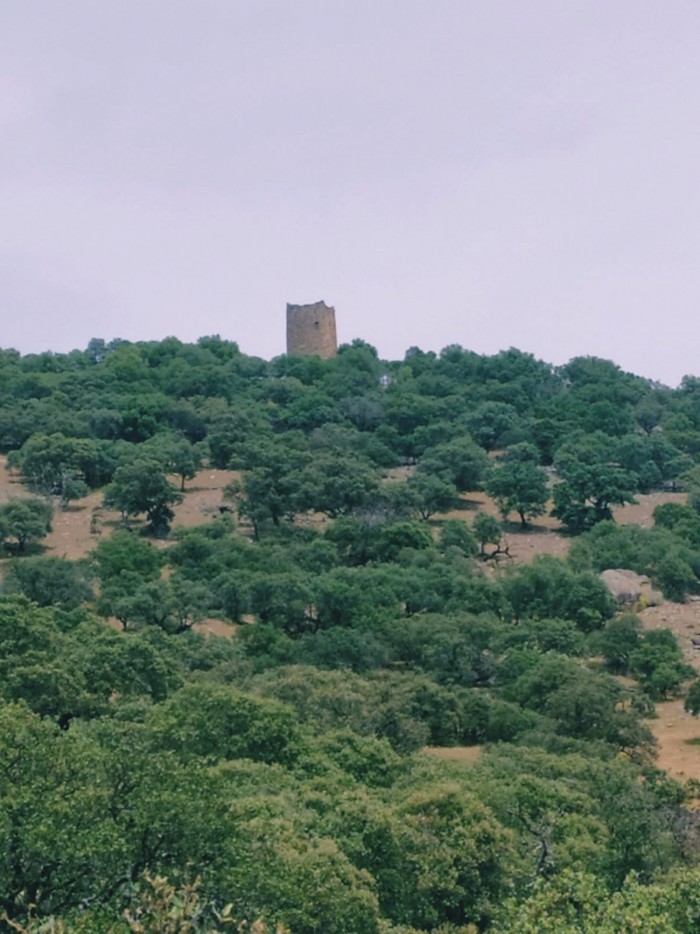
[[631, 589]]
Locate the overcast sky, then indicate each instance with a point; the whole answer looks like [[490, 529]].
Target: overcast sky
[[492, 174]]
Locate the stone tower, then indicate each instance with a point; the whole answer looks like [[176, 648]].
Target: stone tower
[[311, 330]]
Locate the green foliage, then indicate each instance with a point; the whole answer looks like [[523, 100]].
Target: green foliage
[[692, 699], [56, 465], [395, 537], [429, 494], [272, 485], [487, 530], [367, 759], [681, 520], [49, 581], [128, 570], [661, 553], [218, 722], [653, 459], [657, 661], [589, 484], [142, 487], [280, 773], [453, 859], [120, 668], [179, 456], [460, 461], [675, 576], [230, 433], [490, 424], [158, 907], [618, 640], [123, 552], [283, 600], [519, 485], [362, 540], [548, 588], [336, 486], [582, 704], [23, 522], [304, 881], [546, 635], [458, 535], [692, 484], [578, 903]]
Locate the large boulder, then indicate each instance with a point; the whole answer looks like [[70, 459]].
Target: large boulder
[[629, 588]]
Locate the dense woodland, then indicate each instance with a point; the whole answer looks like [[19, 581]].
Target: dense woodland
[[153, 779]]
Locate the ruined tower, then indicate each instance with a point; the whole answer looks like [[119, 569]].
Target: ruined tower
[[311, 330]]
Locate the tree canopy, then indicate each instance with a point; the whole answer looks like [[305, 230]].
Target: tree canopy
[[337, 703]]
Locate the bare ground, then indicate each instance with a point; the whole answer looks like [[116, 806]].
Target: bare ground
[[642, 512], [674, 729], [543, 535], [77, 530], [674, 726], [468, 754]]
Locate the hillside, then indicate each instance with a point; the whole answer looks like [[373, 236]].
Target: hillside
[[324, 642]]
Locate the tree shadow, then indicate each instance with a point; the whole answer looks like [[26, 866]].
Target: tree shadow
[[30, 550], [467, 505]]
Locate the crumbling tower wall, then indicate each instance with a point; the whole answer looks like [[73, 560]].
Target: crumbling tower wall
[[311, 330]]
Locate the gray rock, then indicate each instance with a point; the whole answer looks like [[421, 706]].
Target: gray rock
[[629, 588]]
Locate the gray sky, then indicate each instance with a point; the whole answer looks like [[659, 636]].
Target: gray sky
[[495, 173]]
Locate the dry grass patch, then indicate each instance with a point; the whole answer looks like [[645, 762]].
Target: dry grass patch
[[675, 730], [455, 753]]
